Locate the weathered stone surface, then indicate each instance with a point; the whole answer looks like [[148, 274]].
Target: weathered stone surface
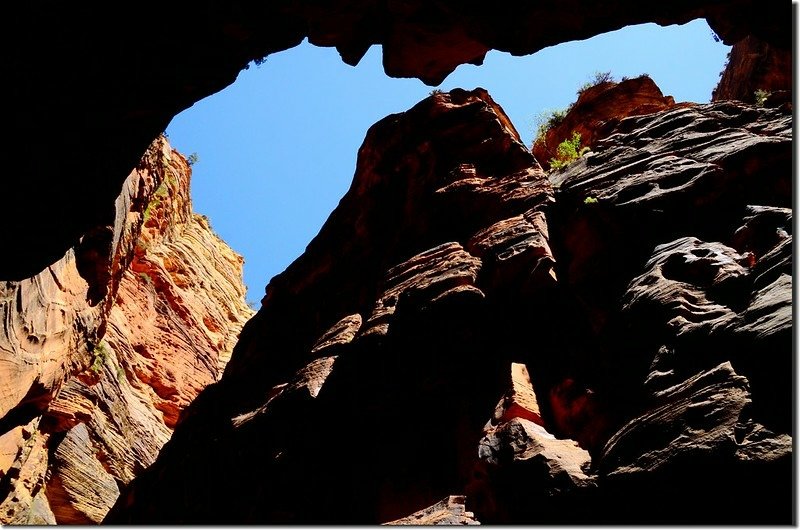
[[527, 475], [522, 440], [340, 333], [711, 160], [80, 491], [520, 400], [598, 110], [448, 511], [415, 365], [42, 317], [122, 94], [524, 473], [698, 414], [700, 428], [516, 253], [366, 379], [24, 481], [754, 64], [104, 348], [694, 292], [453, 188], [427, 277]]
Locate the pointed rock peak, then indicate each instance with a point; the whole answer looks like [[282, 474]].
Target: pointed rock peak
[[520, 400]]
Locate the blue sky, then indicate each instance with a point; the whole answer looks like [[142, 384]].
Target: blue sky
[[277, 149]]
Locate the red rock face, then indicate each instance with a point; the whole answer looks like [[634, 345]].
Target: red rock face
[[121, 96], [754, 65], [105, 347], [597, 112], [653, 323]]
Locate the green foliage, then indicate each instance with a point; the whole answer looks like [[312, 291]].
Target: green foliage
[[589, 201], [568, 151], [99, 357], [192, 159], [548, 119], [161, 193], [760, 96], [597, 78]]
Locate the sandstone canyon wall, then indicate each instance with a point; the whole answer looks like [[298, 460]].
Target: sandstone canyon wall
[[632, 313], [469, 338], [103, 349], [755, 65]]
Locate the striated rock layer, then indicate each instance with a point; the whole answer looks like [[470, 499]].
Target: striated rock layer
[[124, 73], [103, 349], [754, 65], [639, 298], [598, 110]]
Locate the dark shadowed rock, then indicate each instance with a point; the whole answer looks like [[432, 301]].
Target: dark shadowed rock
[[417, 369], [753, 65], [634, 192], [449, 511], [698, 428], [654, 321], [524, 473]]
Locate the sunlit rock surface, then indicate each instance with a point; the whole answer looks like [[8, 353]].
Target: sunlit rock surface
[[103, 349]]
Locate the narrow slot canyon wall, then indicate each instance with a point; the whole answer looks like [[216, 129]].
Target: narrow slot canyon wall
[[103, 349], [641, 356], [472, 337]]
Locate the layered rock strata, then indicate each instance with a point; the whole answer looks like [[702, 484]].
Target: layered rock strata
[[104, 348], [755, 65], [656, 344], [449, 511], [384, 376], [118, 89], [598, 110]]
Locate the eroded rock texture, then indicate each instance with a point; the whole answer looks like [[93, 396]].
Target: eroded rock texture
[[597, 112], [103, 349], [646, 331], [449, 511], [124, 72], [755, 65], [371, 357]]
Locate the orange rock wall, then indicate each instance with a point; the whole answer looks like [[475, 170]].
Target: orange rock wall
[[103, 349]]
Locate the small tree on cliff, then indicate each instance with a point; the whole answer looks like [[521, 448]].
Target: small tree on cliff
[[568, 151]]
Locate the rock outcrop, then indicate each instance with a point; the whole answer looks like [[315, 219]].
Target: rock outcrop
[[598, 110], [104, 348], [755, 65], [656, 344], [449, 511], [114, 97]]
